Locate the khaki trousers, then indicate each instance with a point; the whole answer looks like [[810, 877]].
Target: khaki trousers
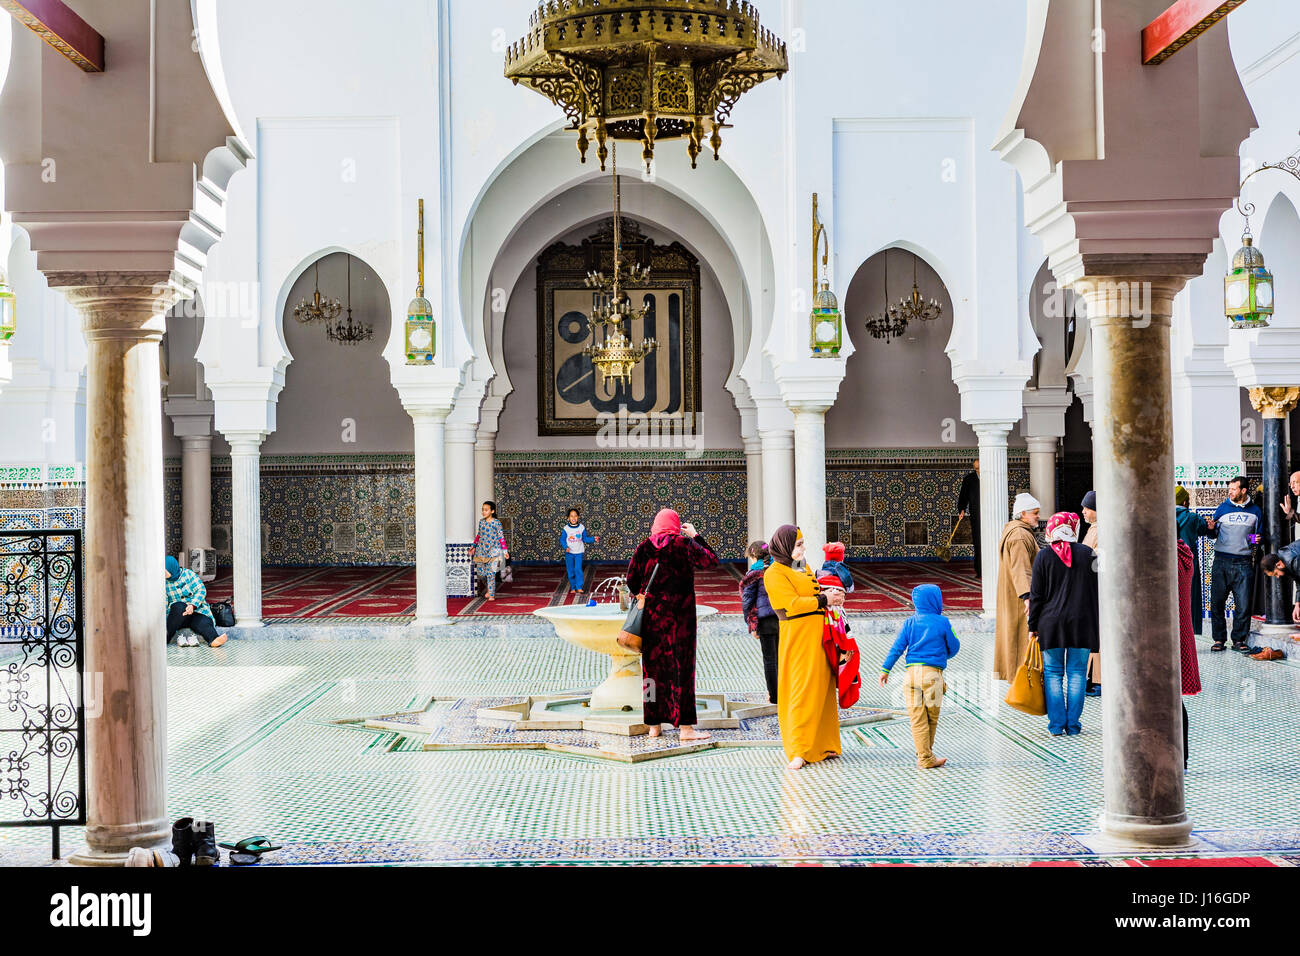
[[923, 690]]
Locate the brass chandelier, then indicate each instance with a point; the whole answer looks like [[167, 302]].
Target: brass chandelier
[[320, 308], [615, 357], [646, 70], [894, 320], [349, 331]]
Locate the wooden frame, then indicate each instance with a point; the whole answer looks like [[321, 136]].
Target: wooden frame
[[561, 271]]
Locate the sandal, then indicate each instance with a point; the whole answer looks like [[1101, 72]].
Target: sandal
[[1218, 646], [252, 846]]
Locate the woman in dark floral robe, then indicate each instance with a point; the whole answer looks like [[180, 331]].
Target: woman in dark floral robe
[[668, 633]]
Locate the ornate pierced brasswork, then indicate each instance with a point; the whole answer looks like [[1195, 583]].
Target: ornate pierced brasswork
[[42, 708], [646, 70]]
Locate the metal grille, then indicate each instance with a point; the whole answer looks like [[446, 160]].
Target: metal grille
[[42, 700]]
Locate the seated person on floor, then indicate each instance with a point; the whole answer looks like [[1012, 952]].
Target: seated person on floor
[[187, 605]]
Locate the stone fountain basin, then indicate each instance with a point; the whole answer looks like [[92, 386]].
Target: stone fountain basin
[[596, 629]]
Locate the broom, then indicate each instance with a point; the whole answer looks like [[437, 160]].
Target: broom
[[944, 551]]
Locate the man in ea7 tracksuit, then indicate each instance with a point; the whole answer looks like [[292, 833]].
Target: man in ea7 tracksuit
[[1237, 526]]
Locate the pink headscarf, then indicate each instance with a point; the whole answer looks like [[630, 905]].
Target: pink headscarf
[[1062, 528], [668, 525]]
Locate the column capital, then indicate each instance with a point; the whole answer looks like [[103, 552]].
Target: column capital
[[1274, 401], [1041, 445], [245, 442], [1137, 298], [810, 407], [777, 439], [462, 432], [992, 433], [117, 304], [428, 413]]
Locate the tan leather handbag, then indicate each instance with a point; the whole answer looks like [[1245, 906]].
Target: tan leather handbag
[[1028, 693]]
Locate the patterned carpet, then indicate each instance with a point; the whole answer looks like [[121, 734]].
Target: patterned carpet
[[388, 593]]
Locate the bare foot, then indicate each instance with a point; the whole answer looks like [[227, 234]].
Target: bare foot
[[689, 733], [656, 731], [220, 639], [797, 763], [939, 762]]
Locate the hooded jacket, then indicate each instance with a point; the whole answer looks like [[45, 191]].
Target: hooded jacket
[[927, 636], [753, 598]]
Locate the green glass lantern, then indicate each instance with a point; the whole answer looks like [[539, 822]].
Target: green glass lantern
[[1248, 288], [827, 324], [421, 331], [8, 309]]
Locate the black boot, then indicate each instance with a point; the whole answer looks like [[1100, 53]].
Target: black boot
[[183, 840], [205, 844]]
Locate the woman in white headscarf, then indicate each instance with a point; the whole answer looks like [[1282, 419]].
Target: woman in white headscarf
[[1017, 549]]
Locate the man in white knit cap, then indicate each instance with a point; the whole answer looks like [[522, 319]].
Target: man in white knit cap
[[1016, 551]]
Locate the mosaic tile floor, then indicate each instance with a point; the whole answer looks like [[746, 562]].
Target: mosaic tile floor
[[252, 747]]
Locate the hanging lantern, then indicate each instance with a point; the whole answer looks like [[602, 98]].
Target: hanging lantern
[[8, 309], [421, 332], [1248, 287], [825, 325]]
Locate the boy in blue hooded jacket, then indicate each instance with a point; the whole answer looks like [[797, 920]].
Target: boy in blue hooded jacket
[[928, 639]]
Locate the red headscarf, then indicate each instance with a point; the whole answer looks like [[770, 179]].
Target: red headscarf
[[1062, 528], [668, 524]]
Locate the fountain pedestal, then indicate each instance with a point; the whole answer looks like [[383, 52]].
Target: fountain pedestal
[[596, 629]]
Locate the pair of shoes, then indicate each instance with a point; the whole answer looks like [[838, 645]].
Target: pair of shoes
[[248, 851], [1269, 654], [1093, 690], [187, 640], [1244, 648], [195, 842]]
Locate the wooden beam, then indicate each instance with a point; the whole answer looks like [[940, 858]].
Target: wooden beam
[[1180, 25], [55, 23]]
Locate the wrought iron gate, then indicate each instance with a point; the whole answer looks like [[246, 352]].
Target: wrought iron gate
[[42, 699]]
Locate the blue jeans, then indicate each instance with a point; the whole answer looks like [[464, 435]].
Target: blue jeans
[[573, 566], [1230, 572], [1065, 671]]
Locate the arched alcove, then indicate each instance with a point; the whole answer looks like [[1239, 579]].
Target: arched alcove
[[897, 394], [338, 398]]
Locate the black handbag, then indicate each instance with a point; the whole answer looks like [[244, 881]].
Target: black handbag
[[630, 636], [223, 614]]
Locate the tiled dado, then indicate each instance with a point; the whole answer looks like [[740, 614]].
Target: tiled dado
[[892, 504], [41, 496]]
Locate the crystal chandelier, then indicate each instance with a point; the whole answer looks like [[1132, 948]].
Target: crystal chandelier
[[349, 331], [319, 309], [646, 71], [894, 320], [615, 357]]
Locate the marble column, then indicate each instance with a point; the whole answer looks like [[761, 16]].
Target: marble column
[[246, 524], [196, 493], [1042, 472], [1133, 463], [485, 450], [755, 528], [995, 509], [430, 515], [462, 510], [1274, 404], [125, 636], [810, 477], [778, 479]]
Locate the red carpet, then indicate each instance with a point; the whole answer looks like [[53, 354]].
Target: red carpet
[[338, 593]]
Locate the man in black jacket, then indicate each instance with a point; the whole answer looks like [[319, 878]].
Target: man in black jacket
[[1285, 564], [968, 504]]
